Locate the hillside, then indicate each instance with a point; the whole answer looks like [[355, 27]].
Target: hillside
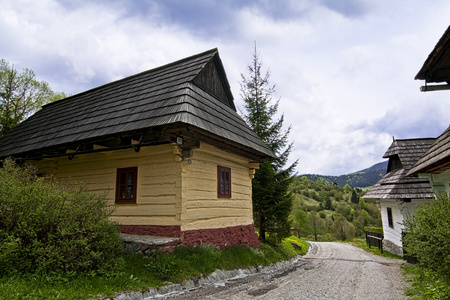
[[361, 179], [318, 207]]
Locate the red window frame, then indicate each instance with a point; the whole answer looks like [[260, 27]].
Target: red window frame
[[223, 182], [126, 185]]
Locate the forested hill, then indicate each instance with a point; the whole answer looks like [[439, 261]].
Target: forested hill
[[361, 179]]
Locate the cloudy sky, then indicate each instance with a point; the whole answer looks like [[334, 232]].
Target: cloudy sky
[[343, 69]]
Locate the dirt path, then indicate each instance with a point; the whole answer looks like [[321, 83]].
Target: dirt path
[[329, 271]]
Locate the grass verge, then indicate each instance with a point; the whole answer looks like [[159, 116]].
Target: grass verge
[[141, 272], [423, 284]]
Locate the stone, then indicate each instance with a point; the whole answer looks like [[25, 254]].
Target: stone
[[191, 284], [121, 297], [136, 296]]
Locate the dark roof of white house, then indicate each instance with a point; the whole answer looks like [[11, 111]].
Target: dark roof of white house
[[192, 94], [437, 158], [436, 67], [403, 154]]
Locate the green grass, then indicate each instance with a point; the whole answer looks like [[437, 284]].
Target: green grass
[[423, 284], [141, 272]]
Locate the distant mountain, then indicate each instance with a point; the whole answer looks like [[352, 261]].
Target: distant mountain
[[361, 179]]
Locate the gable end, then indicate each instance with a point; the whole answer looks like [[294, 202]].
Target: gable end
[[394, 163], [212, 79]]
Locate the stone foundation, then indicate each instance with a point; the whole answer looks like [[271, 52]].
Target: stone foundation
[[221, 237], [391, 247]]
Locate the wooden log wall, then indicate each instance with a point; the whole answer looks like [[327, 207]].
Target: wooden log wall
[[170, 191]]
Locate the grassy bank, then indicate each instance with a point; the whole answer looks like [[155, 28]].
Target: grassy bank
[[424, 284], [141, 272]]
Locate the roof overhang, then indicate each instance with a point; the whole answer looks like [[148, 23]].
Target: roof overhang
[[436, 68], [190, 138]]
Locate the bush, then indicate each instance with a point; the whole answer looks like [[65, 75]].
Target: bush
[[50, 228], [428, 235]]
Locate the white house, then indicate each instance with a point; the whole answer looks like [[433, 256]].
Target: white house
[[398, 195], [418, 168]]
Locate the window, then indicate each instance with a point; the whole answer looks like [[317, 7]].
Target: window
[[223, 182], [390, 219], [126, 184]]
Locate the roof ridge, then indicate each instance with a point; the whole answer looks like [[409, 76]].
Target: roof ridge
[[213, 50]]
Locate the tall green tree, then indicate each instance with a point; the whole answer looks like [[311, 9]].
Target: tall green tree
[[272, 201], [21, 95], [354, 198]]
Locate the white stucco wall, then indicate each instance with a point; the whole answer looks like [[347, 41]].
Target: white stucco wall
[[392, 234], [400, 211]]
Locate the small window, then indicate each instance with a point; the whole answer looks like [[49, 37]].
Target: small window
[[223, 182], [126, 185], [390, 219]]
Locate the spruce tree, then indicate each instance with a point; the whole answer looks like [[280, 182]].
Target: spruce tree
[[272, 201]]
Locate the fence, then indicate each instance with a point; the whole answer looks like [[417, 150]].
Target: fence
[[408, 258], [374, 239]]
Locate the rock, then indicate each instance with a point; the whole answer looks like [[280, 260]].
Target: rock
[[121, 297], [136, 296]]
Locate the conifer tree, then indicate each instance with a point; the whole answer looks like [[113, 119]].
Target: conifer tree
[[272, 201]]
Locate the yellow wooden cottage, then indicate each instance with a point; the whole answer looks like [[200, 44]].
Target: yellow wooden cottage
[[165, 146]]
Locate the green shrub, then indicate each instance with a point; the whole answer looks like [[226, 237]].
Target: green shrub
[[428, 235], [46, 227], [373, 229]]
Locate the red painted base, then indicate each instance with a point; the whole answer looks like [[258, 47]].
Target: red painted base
[[166, 231], [221, 237]]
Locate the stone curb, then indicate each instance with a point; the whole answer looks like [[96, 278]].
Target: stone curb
[[216, 278]]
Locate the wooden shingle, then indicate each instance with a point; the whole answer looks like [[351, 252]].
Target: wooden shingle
[[396, 184], [437, 158], [437, 66], [191, 95]]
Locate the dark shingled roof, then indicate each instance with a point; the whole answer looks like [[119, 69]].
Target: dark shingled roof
[[403, 154], [437, 66], [192, 93], [437, 158], [409, 151]]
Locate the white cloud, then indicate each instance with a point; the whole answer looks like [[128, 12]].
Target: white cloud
[[344, 71]]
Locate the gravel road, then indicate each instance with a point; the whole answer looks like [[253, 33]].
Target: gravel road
[[328, 271]]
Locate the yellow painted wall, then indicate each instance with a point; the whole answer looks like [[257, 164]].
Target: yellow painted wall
[[201, 208], [158, 186], [170, 192]]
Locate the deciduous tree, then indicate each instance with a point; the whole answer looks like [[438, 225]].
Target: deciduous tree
[[317, 224], [343, 229], [301, 222], [21, 95]]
